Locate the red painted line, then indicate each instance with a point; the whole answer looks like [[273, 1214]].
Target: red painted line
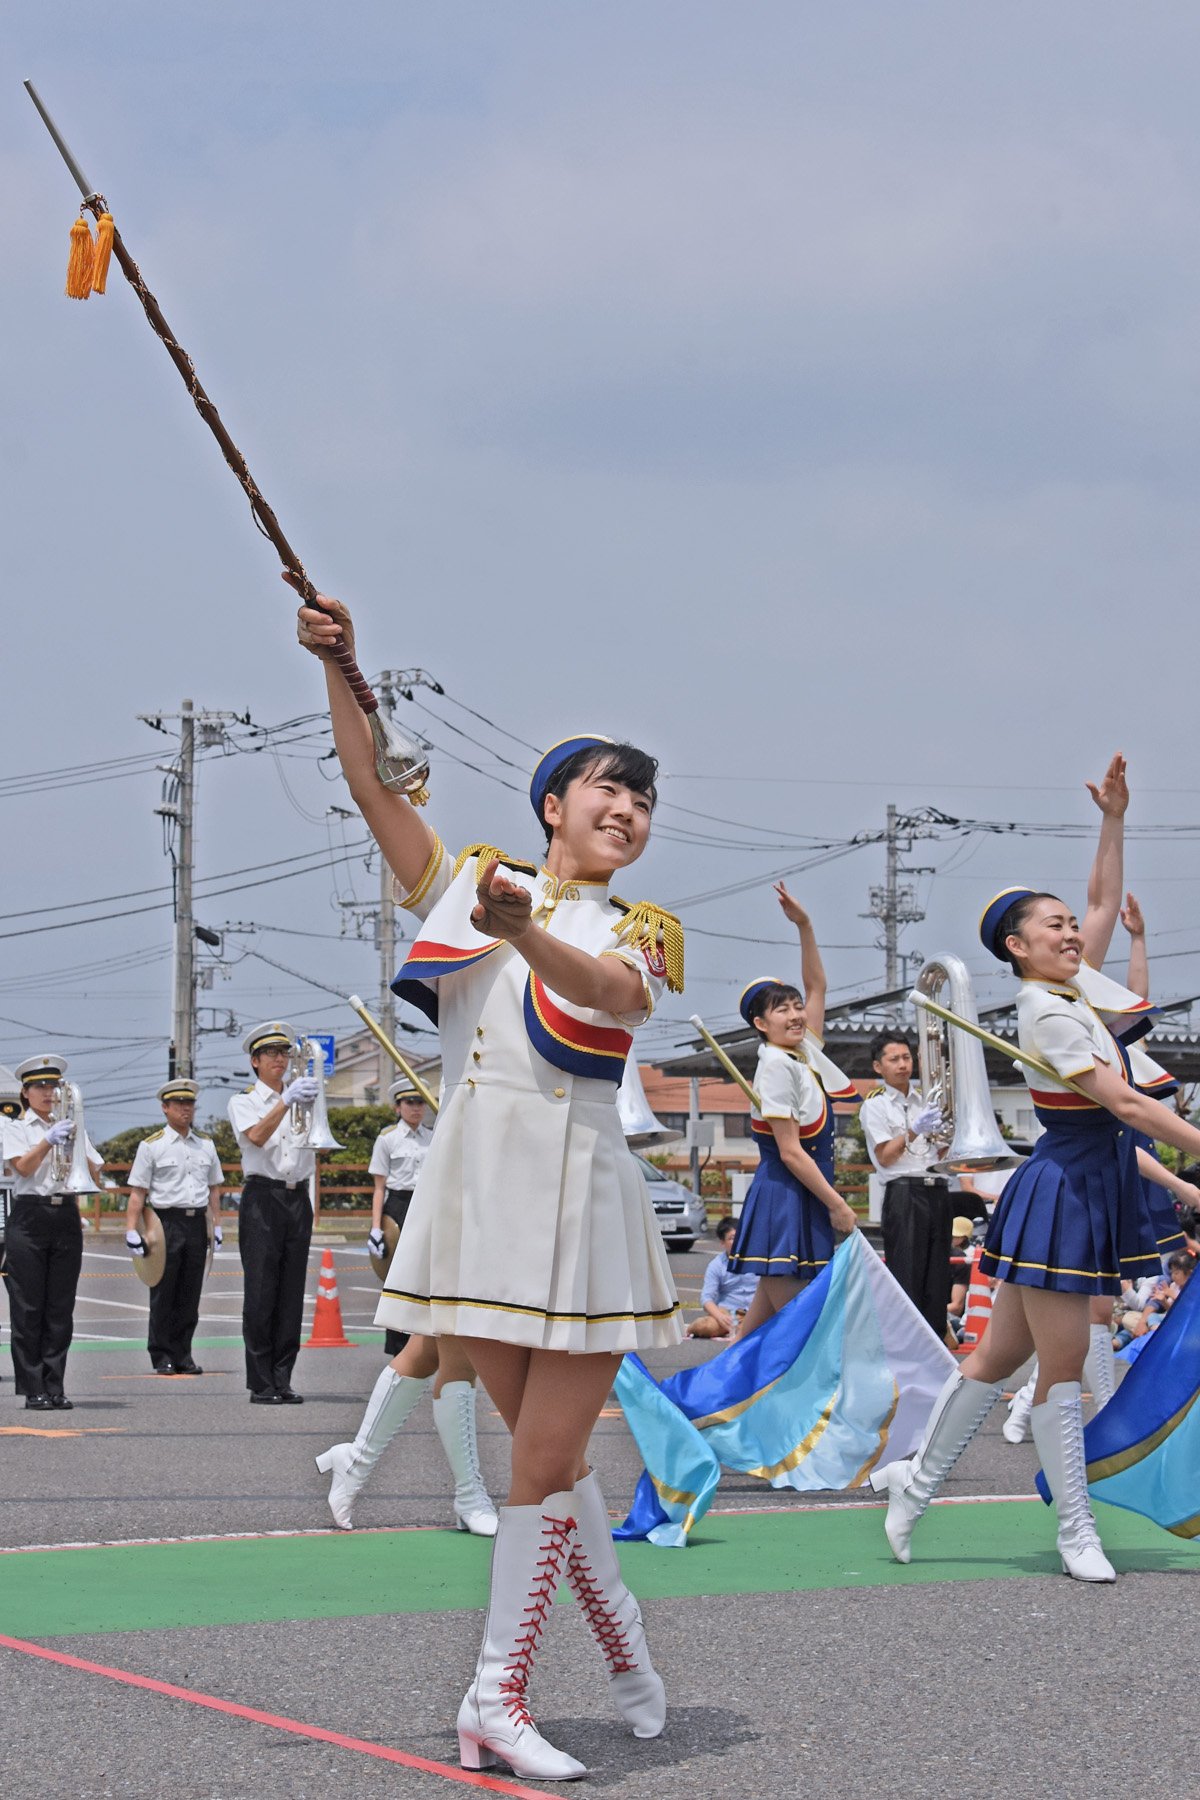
[[492, 1783]]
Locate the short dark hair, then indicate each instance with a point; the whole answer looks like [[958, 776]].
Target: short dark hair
[[768, 998], [624, 763], [882, 1039], [1011, 923], [1183, 1261], [724, 1225]]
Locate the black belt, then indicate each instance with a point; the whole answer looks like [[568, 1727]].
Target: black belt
[[46, 1199], [178, 1212], [938, 1181], [270, 1181]]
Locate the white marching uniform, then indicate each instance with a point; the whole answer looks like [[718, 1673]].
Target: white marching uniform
[[530, 1222], [397, 1154]]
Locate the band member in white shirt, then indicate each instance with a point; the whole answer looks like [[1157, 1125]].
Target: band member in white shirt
[[44, 1239], [276, 1215], [178, 1173], [899, 1127]]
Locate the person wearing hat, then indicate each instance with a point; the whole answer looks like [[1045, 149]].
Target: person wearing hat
[[276, 1215], [44, 1240], [1072, 1222], [900, 1128], [177, 1172], [396, 1161], [10, 1108], [531, 1232], [792, 1212]]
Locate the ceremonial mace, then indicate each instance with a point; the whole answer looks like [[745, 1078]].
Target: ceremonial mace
[[381, 1037], [924, 1003], [727, 1062], [400, 763]]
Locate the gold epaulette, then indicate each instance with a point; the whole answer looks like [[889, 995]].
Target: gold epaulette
[[649, 927], [154, 1137], [488, 853], [875, 1092]]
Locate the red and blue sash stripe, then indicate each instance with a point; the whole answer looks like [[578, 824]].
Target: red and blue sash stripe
[[596, 1051]]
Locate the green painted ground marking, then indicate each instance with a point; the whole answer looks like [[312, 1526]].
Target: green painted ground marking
[[140, 1588], [82, 1346]]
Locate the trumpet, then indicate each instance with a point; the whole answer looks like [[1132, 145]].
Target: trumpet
[[954, 1074], [68, 1162], [310, 1122]]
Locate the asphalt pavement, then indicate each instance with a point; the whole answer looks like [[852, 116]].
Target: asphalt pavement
[[797, 1656]]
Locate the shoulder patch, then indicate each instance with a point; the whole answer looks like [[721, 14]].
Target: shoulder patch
[[489, 853], [875, 1092], [154, 1137], [657, 933]]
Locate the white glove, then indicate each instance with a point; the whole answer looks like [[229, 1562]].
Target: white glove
[[60, 1131], [301, 1092], [218, 1237], [927, 1122], [376, 1244], [136, 1243]]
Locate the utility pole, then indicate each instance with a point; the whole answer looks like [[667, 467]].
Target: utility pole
[[895, 903], [178, 813]]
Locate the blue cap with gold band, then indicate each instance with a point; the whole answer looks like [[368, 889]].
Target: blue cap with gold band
[[993, 912], [553, 761], [752, 990]]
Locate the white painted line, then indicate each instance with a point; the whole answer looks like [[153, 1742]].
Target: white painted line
[[101, 1337], [124, 1305]]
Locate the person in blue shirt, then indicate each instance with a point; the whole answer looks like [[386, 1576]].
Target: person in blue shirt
[[725, 1298]]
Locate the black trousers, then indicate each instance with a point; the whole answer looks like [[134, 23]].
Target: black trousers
[[44, 1253], [274, 1232], [395, 1206], [917, 1215], [175, 1302]]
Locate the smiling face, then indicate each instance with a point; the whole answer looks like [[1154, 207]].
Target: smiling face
[[1048, 946], [598, 826], [785, 1024]]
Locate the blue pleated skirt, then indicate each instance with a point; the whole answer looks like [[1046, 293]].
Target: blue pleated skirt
[[1168, 1232], [782, 1230], [1074, 1217]]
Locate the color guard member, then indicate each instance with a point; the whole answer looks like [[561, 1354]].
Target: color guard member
[[44, 1238], [178, 1173], [276, 1214]]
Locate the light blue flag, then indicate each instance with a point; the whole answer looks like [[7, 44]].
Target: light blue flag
[[669, 1502], [1143, 1448], [839, 1381]]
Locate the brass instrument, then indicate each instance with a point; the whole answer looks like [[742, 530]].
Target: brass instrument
[[310, 1122], [953, 1073], [68, 1162]]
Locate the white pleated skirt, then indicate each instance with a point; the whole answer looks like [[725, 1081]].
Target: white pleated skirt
[[531, 1224]]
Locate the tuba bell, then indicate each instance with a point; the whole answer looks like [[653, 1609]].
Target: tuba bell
[[311, 1122], [954, 1074], [69, 1164]]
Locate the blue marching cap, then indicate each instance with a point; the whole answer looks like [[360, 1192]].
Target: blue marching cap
[[750, 993], [993, 912], [553, 761]]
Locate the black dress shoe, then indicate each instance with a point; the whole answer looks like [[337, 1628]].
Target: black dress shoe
[[268, 1399], [60, 1403], [287, 1397], [164, 1366], [38, 1403], [188, 1368]]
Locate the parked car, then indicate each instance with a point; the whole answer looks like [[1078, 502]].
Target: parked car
[[680, 1213]]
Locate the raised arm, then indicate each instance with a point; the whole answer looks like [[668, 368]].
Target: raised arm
[[1106, 883], [406, 841], [1159, 1122], [1138, 975], [812, 969]]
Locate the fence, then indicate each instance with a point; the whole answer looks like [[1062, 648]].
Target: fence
[[327, 1193]]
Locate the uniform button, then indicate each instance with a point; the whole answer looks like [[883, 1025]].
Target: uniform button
[[470, 1083], [475, 1056], [479, 1031], [560, 1093]]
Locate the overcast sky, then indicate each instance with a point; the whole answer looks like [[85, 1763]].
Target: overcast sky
[[808, 393]]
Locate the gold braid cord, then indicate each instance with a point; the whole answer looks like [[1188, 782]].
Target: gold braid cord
[[648, 928], [488, 853]]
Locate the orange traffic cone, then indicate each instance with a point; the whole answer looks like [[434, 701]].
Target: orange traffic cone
[[979, 1306], [327, 1332]]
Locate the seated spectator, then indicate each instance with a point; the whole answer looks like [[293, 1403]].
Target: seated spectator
[[1144, 1311], [962, 1233], [726, 1298]]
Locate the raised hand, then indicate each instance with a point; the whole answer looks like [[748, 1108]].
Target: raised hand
[[1131, 917], [503, 909], [1112, 795], [318, 630], [791, 907]]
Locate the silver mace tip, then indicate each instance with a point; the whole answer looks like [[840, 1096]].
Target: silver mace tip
[[401, 763]]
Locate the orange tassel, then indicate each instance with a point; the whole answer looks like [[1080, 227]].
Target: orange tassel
[[80, 261], [104, 240]]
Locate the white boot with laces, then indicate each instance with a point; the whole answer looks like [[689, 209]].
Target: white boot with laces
[[494, 1723], [392, 1399], [454, 1416], [958, 1412], [1100, 1367], [613, 1615], [1058, 1435], [1016, 1426]]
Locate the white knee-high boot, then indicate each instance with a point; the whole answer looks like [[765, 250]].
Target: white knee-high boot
[[528, 1560], [392, 1399], [958, 1412], [1058, 1434], [454, 1416], [613, 1615], [1100, 1368], [1016, 1426]]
